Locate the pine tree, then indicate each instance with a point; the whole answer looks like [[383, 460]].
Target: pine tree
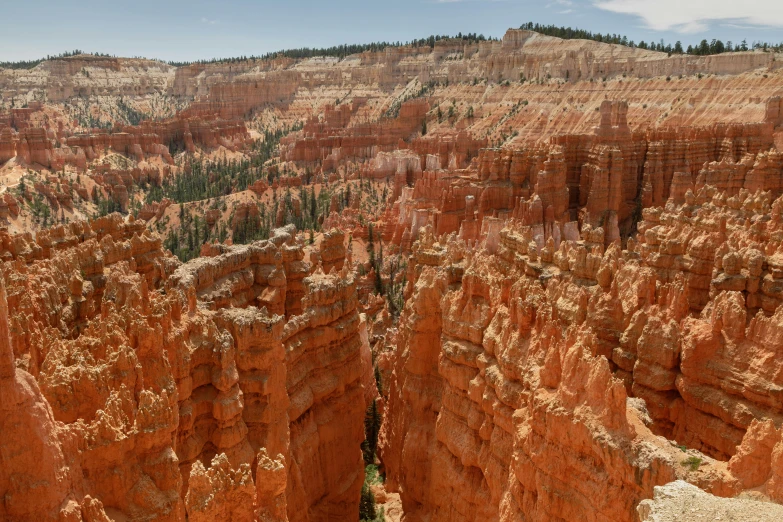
[[378, 269], [367, 504], [372, 427], [371, 247], [378, 381]]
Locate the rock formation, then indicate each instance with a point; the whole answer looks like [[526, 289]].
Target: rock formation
[[573, 311], [551, 358], [154, 388], [674, 499]]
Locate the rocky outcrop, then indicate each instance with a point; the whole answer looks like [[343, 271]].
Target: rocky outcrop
[[331, 251], [154, 389], [220, 492], [332, 141], [326, 412], [674, 499], [551, 358], [408, 436], [37, 145], [604, 179], [35, 476]]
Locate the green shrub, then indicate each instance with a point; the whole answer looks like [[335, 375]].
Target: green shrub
[[692, 463]]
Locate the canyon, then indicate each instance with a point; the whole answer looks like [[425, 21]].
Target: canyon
[[517, 279]]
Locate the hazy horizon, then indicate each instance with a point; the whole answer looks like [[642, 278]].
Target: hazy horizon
[[199, 30]]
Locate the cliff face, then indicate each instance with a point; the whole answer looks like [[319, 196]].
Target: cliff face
[[408, 440], [87, 75], [154, 390], [237, 90], [520, 376], [326, 413], [37, 145], [605, 179]]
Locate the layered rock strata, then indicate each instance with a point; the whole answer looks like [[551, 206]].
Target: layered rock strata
[[156, 390], [541, 377], [36, 145]]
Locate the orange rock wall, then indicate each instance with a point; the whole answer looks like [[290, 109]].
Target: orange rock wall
[[536, 373], [160, 390], [34, 145]]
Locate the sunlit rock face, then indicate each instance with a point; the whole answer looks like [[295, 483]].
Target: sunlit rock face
[[154, 389], [573, 311], [573, 379]]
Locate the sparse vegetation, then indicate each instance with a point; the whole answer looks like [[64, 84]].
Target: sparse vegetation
[[209, 179], [29, 64], [702, 49], [394, 109], [344, 50], [692, 463]]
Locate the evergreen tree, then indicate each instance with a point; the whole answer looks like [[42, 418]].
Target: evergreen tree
[[367, 504], [378, 269], [378, 382], [371, 246], [372, 427]]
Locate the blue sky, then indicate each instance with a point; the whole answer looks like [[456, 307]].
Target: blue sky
[[194, 29]]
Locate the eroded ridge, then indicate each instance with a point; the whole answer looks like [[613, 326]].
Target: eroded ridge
[[139, 387], [557, 378]]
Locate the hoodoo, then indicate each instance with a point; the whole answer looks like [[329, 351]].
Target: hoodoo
[[463, 279]]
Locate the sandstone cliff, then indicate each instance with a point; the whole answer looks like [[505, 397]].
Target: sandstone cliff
[[533, 380], [158, 390]]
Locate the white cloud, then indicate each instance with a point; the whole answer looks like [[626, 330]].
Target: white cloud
[[738, 26], [693, 16], [208, 21]]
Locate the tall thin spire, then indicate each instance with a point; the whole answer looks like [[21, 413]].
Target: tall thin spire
[[7, 368]]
